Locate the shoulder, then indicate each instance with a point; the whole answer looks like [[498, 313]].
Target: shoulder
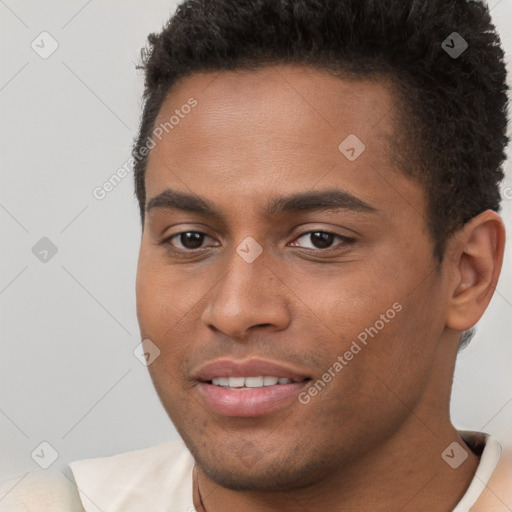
[[497, 495], [494, 478], [160, 475], [44, 491], [131, 480]]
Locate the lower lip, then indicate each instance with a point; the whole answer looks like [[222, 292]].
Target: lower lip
[[249, 402]]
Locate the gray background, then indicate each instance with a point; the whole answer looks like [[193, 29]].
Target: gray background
[[68, 375]]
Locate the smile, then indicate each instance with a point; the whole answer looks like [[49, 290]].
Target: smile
[[251, 382]]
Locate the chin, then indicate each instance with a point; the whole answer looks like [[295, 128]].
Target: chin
[[240, 473], [247, 479]]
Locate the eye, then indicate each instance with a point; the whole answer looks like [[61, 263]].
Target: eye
[[189, 241], [323, 240], [186, 240]]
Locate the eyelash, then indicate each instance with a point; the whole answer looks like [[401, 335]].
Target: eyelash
[[184, 252]]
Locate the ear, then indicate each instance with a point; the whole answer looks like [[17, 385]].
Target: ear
[[475, 258]]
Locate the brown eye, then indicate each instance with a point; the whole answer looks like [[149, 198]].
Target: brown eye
[[189, 240], [323, 240]]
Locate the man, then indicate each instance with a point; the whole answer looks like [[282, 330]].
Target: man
[[318, 184]]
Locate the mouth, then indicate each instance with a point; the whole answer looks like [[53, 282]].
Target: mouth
[[245, 383], [249, 388]]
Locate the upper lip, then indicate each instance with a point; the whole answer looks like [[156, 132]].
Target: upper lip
[[247, 368]]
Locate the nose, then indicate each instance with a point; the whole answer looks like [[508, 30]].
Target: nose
[[248, 296]]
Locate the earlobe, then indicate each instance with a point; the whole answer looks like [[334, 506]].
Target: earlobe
[[477, 266]]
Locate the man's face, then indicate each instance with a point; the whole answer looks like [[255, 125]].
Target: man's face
[[306, 301]]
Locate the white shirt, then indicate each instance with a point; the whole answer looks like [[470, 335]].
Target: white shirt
[[159, 479]]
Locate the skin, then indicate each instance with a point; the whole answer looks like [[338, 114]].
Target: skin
[[372, 439]]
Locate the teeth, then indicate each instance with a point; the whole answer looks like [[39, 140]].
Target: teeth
[[250, 382], [236, 382], [253, 382]]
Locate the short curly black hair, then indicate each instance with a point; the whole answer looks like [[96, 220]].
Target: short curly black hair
[[453, 109]]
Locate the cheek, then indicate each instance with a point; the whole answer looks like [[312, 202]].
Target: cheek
[[162, 299], [379, 328], [397, 360], [350, 305], [164, 309]]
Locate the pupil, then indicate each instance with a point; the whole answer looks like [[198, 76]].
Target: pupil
[[191, 240], [325, 239]]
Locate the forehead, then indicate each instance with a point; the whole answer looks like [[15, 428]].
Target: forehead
[[252, 133], [293, 103]]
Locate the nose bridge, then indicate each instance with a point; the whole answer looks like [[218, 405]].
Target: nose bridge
[[248, 294]]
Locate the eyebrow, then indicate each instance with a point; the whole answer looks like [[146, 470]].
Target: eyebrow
[[326, 200]]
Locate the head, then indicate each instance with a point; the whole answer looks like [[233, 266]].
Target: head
[[361, 163]]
